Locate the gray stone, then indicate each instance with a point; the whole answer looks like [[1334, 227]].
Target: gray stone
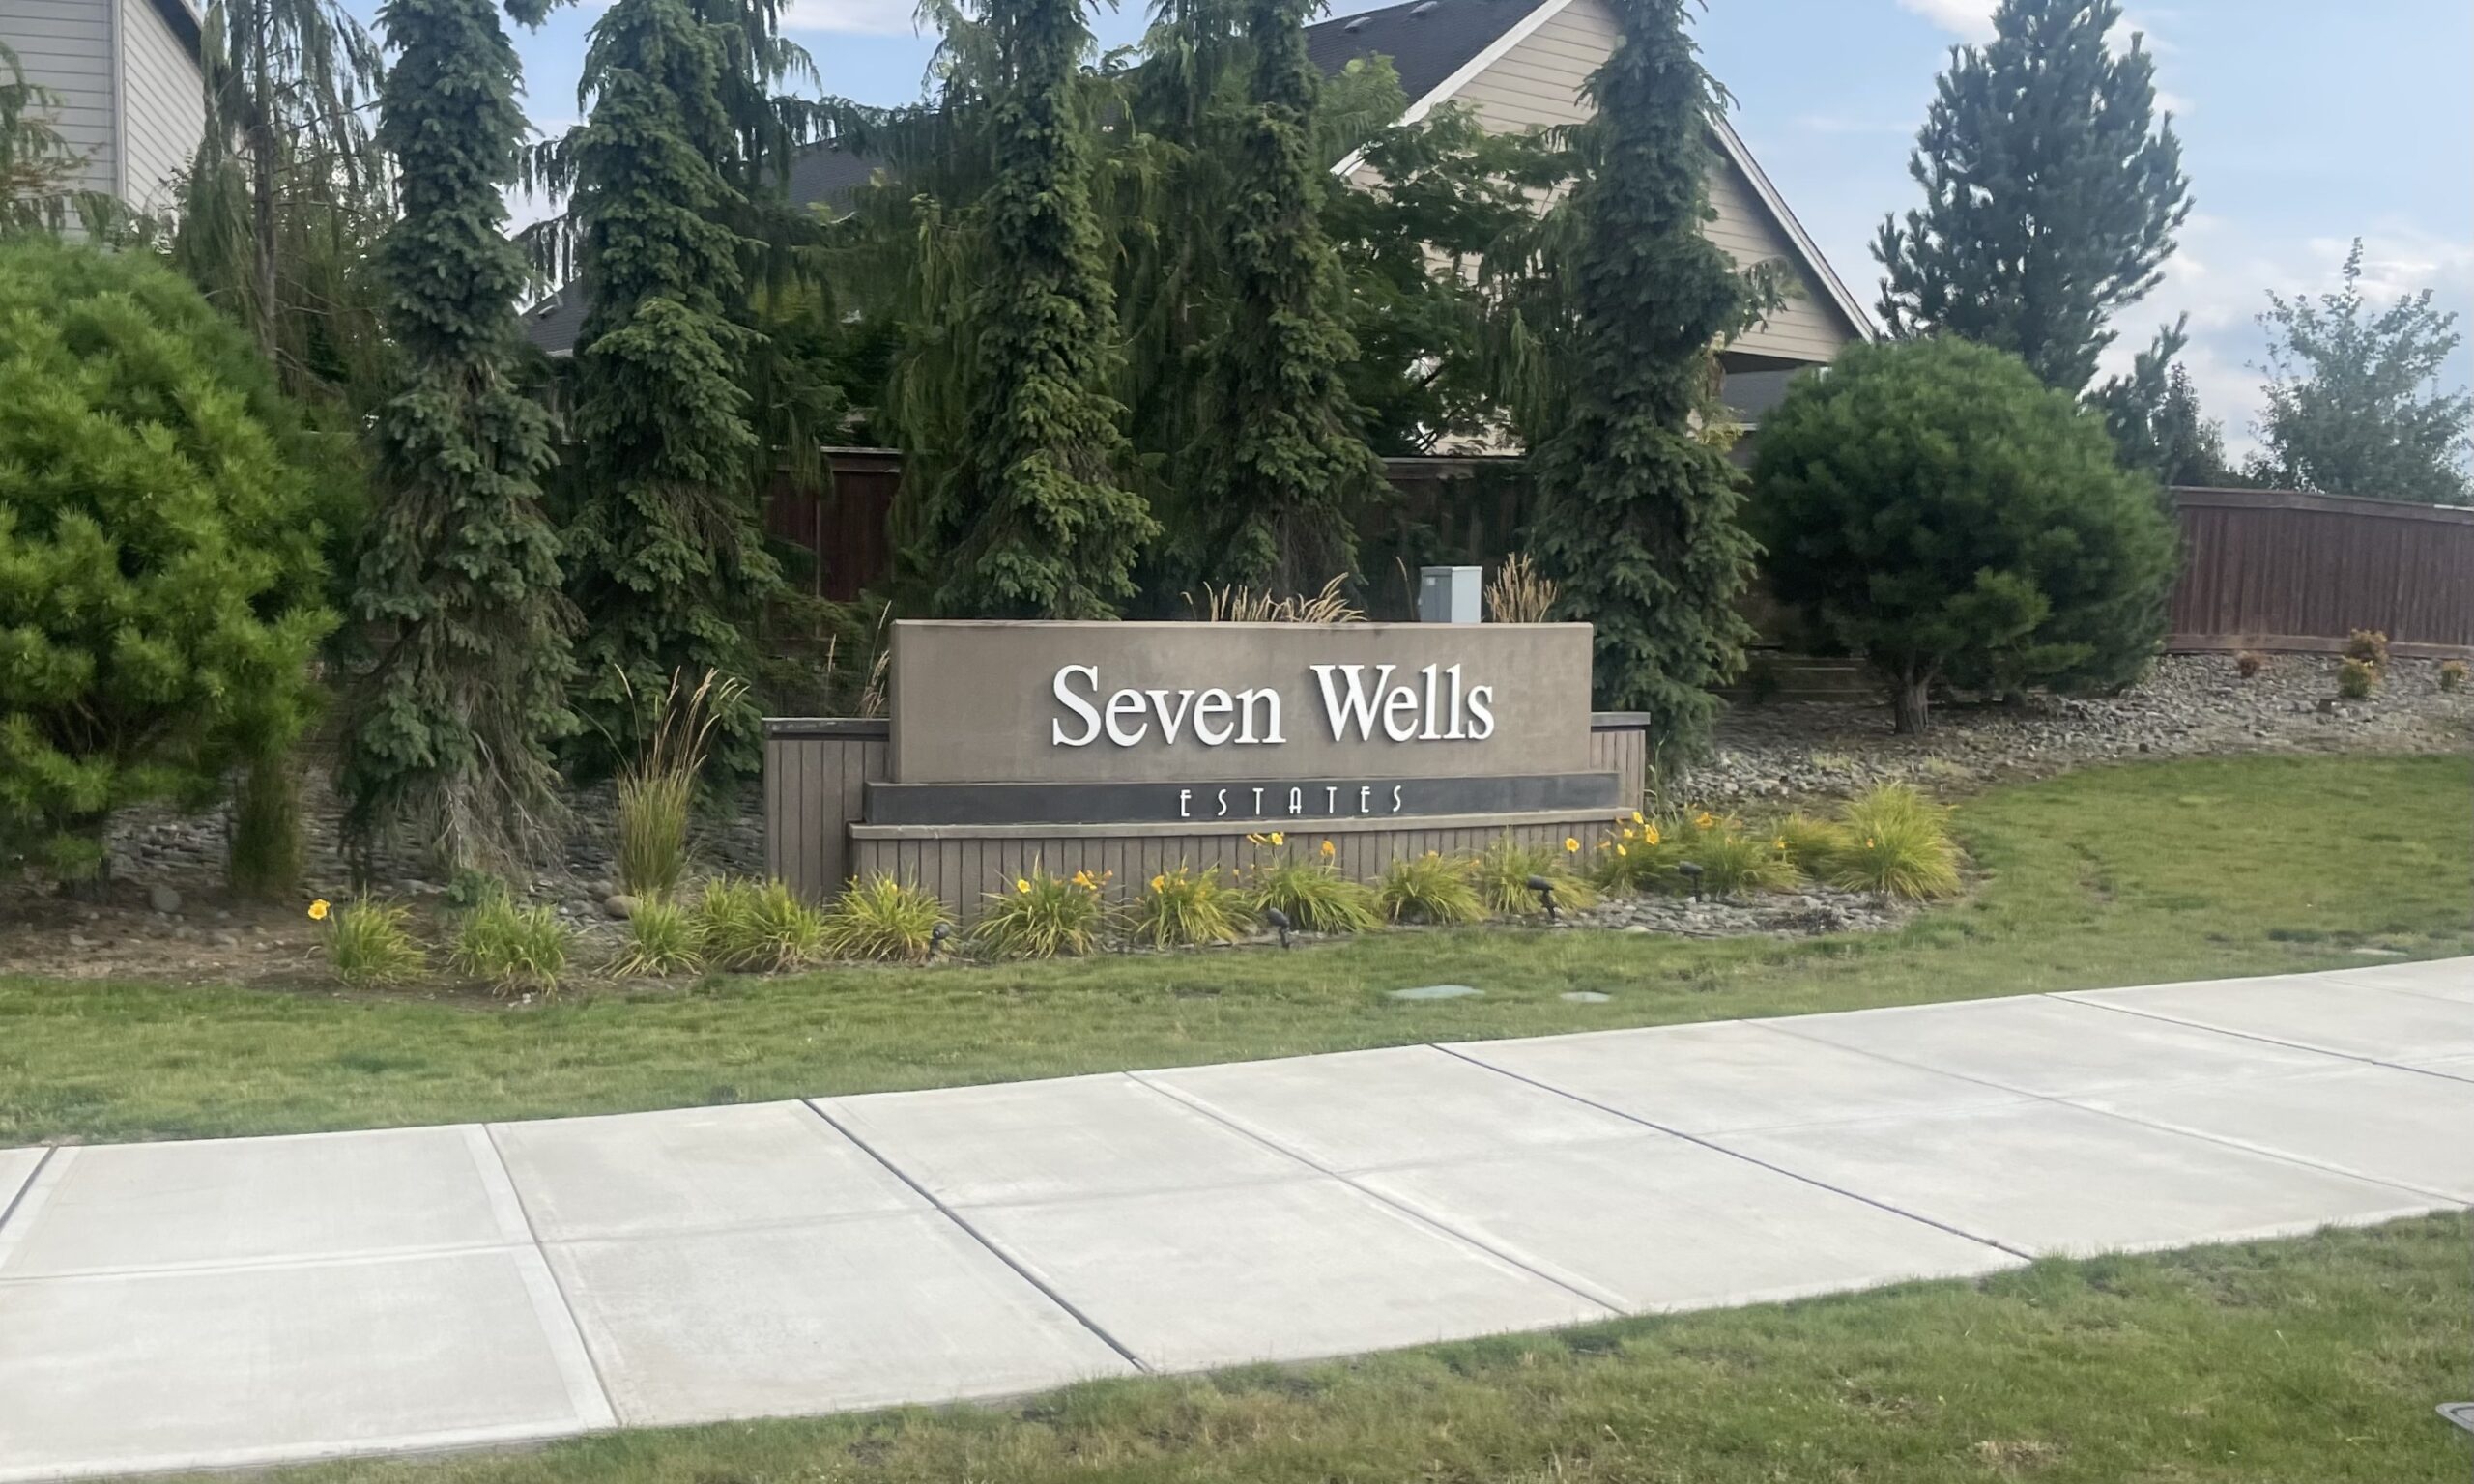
[[1584, 996], [620, 906], [1436, 993], [163, 899]]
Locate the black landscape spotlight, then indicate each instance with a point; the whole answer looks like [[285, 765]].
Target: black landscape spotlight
[[1545, 891], [937, 937], [1690, 871], [1279, 920]]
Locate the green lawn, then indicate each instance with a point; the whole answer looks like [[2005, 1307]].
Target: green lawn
[[2113, 876], [2295, 1362]]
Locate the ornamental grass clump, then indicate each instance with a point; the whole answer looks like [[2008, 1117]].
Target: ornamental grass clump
[[1044, 916], [1438, 890], [1503, 872], [885, 921], [1812, 844], [2369, 646], [1183, 907], [658, 790], [511, 948], [1638, 856], [2357, 679], [664, 937], [1898, 845], [2452, 676], [757, 927], [369, 943], [2248, 663], [1308, 891]]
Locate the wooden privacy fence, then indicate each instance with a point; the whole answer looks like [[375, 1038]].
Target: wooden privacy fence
[[2273, 569], [2262, 569]]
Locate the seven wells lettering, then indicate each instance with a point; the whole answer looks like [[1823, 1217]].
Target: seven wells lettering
[[1436, 708]]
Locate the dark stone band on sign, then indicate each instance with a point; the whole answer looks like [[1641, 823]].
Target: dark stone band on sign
[[1270, 804]]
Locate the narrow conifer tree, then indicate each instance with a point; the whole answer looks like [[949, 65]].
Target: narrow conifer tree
[[459, 574], [1031, 521], [1289, 462], [2052, 192], [1636, 518], [667, 558]]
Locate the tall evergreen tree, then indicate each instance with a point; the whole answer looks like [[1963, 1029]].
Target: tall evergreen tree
[[1636, 516], [2153, 413], [453, 729], [1029, 519], [666, 548], [2052, 192], [1285, 463]]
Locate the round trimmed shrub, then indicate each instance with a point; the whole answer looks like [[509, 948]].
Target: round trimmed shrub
[[161, 570], [1935, 509]]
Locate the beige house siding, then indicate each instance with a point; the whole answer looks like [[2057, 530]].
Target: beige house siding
[[163, 102], [1538, 84], [66, 46]]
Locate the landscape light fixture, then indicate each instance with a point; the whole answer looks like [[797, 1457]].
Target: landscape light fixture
[[1279, 920], [937, 937], [1545, 891], [1690, 871]]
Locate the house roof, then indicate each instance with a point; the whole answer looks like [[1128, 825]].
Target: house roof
[[1435, 45]]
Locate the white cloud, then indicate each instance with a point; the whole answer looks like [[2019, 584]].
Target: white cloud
[[858, 17], [2222, 275], [1970, 19]]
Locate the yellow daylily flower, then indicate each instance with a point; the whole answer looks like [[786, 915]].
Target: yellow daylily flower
[[1572, 846], [1703, 819], [1022, 886], [1157, 882], [1328, 852], [1280, 838], [1650, 836], [318, 910], [1636, 817], [1620, 850]]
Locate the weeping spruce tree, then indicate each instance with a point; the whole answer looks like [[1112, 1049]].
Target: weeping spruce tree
[[667, 558], [1286, 463], [1031, 521], [459, 573], [1636, 516]]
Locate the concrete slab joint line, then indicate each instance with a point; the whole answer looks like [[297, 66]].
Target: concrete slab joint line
[[506, 1180], [994, 1251]]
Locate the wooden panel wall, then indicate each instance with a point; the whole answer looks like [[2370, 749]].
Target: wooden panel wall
[[2271, 569], [812, 777], [964, 869]]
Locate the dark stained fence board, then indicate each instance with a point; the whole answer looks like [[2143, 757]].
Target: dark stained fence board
[[2278, 570]]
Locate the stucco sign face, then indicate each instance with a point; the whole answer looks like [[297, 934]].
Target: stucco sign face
[[1158, 722]]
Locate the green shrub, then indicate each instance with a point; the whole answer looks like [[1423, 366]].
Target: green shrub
[[1811, 843], [2369, 645], [658, 790], [1734, 861], [884, 920], [161, 576], [757, 927], [1044, 916], [1934, 506], [1501, 874], [471, 887], [664, 937], [2357, 679], [370, 943], [1430, 887], [1898, 845], [1313, 895], [2452, 674], [511, 948], [1184, 907]]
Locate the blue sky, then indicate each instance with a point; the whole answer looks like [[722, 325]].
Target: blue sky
[[2301, 129]]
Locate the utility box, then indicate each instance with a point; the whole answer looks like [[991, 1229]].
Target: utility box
[[1450, 595]]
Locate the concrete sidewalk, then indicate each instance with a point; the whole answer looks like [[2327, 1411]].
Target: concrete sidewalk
[[252, 1300]]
